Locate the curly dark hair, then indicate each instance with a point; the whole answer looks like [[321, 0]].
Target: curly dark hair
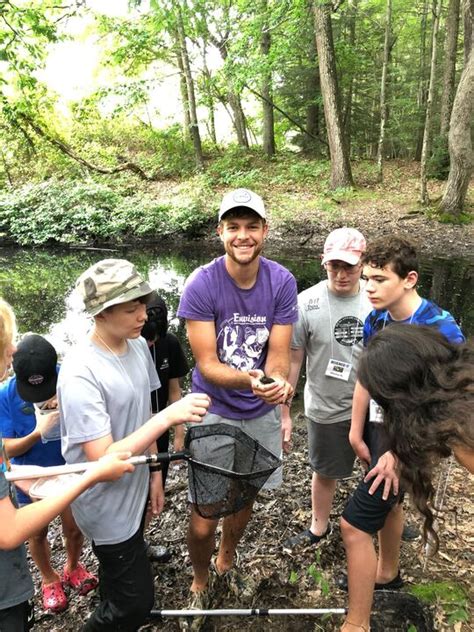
[[425, 386], [392, 249]]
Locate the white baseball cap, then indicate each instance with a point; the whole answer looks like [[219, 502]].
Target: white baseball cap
[[242, 197]]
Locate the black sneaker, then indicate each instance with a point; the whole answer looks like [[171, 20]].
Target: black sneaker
[[303, 539], [158, 553], [410, 533], [395, 584]]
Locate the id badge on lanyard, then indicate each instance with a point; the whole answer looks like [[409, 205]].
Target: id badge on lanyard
[[338, 370], [375, 412]]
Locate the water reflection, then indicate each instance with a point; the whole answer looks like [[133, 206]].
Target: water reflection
[[39, 284]]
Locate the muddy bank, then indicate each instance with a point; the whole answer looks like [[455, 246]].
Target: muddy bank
[[431, 237]]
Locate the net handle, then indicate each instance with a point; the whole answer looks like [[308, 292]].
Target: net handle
[[27, 472]]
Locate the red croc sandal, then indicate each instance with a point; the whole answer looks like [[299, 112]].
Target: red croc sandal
[[54, 597], [80, 579]]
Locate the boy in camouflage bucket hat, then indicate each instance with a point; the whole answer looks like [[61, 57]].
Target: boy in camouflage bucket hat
[[110, 282], [104, 398]]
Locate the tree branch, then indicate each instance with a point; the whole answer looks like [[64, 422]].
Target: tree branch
[[66, 149], [287, 116]]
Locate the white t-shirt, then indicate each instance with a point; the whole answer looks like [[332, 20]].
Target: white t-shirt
[[329, 327], [101, 394]]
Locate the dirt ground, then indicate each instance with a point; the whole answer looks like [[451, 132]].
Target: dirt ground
[[375, 208], [301, 580]]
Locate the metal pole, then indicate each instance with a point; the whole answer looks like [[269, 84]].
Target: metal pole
[[26, 472], [250, 612]]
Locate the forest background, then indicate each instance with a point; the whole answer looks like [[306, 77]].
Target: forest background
[[320, 106]]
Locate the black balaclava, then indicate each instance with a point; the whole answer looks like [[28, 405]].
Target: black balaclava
[[157, 324]]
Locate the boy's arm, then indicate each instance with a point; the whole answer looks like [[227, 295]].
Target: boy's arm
[[174, 395], [19, 445], [360, 405], [191, 408], [296, 360], [157, 491], [17, 525]]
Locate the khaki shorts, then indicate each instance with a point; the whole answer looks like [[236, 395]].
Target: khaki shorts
[[265, 429], [330, 453]]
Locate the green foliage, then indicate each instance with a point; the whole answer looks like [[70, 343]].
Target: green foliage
[[90, 212], [438, 164], [316, 573], [293, 578], [433, 212], [234, 167], [451, 597]]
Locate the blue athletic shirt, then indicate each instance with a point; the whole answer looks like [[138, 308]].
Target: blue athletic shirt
[[17, 420], [428, 313]]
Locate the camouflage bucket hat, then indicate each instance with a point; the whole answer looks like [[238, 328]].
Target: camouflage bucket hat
[[110, 282]]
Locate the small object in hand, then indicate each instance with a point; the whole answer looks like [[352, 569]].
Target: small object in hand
[[266, 380], [52, 485]]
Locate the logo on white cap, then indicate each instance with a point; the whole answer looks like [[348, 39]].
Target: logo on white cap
[[241, 196]]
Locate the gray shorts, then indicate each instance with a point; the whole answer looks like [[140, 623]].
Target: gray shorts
[[330, 453], [265, 429]]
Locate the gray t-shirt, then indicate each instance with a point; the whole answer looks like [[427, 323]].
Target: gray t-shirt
[[16, 585], [329, 327], [101, 394]]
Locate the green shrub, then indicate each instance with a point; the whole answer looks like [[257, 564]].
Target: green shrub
[[233, 168], [450, 596], [57, 212], [88, 212]]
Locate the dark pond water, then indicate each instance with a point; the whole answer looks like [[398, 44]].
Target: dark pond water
[[39, 283]]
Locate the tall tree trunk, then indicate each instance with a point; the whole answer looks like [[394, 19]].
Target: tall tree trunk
[[341, 175], [235, 103], [194, 126], [266, 86], [312, 115], [468, 21], [233, 98], [421, 98], [183, 88], [383, 88], [209, 97], [240, 123], [460, 142], [425, 153], [312, 125], [450, 49], [347, 118]]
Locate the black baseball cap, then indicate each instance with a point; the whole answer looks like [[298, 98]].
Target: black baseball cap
[[35, 364]]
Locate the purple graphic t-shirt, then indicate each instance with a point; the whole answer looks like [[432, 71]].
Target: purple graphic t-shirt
[[243, 320]]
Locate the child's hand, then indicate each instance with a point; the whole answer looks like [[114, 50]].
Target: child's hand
[[190, 408], [45, 422], [111, 467]]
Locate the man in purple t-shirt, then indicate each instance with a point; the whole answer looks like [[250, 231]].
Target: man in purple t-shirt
[[239, 311]]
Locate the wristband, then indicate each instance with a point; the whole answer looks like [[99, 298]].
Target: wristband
[[155, 467]]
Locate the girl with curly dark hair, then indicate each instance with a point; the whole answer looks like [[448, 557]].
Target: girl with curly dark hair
[[425, 386]]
